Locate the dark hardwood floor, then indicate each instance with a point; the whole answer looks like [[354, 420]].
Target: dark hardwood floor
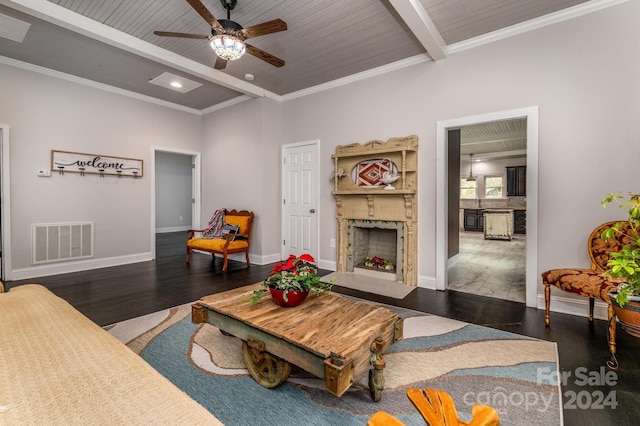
[[114, 294]]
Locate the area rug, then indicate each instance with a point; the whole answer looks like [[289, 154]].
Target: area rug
[[514, 374], [369, 284]]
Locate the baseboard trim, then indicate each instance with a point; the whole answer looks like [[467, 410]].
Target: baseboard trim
[[77, 266], [240, 257], [427, 282], [574, 306], [327, 264], [172, 229]]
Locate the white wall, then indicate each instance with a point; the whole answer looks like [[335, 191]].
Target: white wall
[[583, 75], [46, 113], [241, 169], [490, 167]]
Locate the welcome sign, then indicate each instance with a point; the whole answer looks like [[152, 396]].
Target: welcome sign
[[75, 162]]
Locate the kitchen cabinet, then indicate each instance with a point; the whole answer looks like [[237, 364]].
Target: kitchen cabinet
[[520, 221], [473, 220], [517, 181]]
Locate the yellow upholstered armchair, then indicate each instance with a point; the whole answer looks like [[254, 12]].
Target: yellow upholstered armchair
[[224, 244], [591, 282]]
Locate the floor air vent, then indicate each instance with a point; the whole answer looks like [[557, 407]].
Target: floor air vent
[[55, 242]]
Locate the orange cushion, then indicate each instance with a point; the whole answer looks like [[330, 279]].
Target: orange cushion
[[215, 244], [242, 221]]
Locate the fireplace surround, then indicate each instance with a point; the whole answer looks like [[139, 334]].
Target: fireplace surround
[[364, 206]]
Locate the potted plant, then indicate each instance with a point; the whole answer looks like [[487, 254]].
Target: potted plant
[[291, 281], [626, 262]]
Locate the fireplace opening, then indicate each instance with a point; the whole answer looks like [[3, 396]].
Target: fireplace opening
[[376, 249]]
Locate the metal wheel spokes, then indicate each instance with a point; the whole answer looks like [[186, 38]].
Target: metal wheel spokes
[[266, 369]]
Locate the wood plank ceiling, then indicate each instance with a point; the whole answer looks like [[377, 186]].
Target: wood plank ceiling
[[326, 40]]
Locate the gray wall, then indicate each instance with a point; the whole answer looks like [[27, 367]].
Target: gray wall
[[174, 191], [45, 113], [584, 81]]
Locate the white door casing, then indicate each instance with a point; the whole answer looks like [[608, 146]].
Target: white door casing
[[5, 206], [300, 206], [531, 114], [196, 193]]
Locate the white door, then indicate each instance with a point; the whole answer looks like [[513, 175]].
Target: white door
[[300, 199]]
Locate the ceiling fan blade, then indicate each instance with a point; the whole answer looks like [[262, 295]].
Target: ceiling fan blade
[[183, 35], [220, 63], [267, 57], [204, 12], [265, 28]]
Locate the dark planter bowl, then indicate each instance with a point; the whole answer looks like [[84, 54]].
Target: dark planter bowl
[[628, 315]]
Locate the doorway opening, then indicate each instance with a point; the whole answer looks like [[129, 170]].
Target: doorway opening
[[490, 259], [450, 212], [175, 200]]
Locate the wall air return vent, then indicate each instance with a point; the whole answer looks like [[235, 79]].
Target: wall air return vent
[[56, 242]]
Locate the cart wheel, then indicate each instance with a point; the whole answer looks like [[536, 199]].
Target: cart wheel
[[266, 369], [224, 333]]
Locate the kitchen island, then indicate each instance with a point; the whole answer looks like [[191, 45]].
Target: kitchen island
[[498, 224]]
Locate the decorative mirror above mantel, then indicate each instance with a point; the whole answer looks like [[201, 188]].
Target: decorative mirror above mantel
[[376, 186]]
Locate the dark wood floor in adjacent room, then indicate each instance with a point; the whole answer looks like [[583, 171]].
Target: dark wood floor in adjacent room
[[114, 294]]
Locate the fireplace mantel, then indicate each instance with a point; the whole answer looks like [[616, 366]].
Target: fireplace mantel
[[355, 202]]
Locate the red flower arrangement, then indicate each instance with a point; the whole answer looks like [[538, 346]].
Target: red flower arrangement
[[294, 274]]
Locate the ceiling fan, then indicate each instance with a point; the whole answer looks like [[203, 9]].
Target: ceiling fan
[[227, 37]]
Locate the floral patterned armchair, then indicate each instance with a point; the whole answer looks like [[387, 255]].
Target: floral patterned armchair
[[588, 282]]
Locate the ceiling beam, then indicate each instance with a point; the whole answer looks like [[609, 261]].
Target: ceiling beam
[[419, 22], [65, 18]]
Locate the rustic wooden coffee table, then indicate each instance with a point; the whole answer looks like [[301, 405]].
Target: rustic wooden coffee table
[[330, 336]]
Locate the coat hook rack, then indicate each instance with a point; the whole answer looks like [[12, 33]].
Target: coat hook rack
[[75, 162]]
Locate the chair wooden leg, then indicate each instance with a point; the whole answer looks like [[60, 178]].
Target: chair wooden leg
[[612, 329], [247, 255], [592, 301], [226, 262], [188, 254], [547, 302]]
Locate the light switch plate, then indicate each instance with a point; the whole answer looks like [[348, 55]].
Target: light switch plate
[[44, 172]]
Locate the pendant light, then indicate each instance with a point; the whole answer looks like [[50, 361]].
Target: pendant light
[[471, 178]]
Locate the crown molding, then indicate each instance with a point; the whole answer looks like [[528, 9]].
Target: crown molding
[[255, 91], [94, 84], [533, 24], [73, 21], [404, 63], [225, 104]]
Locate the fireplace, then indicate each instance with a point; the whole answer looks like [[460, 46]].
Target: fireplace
[[379, 243], [374, 221]]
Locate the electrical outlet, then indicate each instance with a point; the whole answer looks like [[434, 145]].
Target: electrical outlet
[[333, 242]]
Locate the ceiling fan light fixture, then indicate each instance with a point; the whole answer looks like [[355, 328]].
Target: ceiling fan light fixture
[[228, 47]]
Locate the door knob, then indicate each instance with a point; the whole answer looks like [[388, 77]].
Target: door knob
[[312, 211]]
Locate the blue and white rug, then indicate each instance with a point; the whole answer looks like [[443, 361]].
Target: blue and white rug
[[514, 374]]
